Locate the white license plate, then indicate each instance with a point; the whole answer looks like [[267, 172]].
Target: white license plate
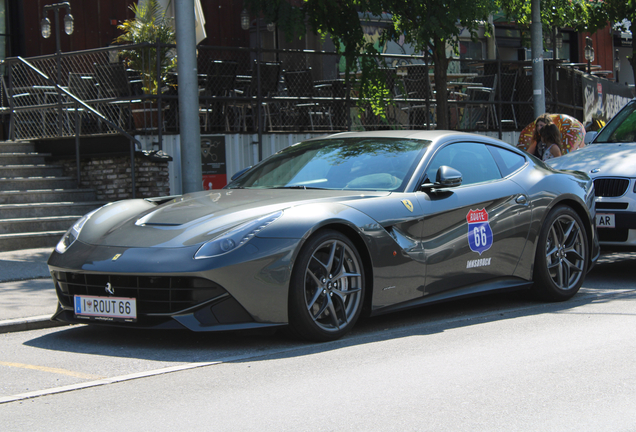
[[605, 220], [106, 308]]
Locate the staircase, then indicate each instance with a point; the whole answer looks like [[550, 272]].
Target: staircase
[[37, 202]]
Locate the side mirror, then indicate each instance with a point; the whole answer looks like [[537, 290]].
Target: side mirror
[[446, 177], [589, 137]]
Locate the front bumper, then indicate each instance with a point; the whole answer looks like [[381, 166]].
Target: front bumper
[[243, 290], [622, 235], [162, 301]]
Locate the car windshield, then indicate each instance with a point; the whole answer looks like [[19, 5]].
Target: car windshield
[[621, 129], [378, 164]]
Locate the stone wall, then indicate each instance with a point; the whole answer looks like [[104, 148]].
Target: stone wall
[[110, 176]]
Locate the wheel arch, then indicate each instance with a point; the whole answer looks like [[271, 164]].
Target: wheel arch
[[581, 210], [358, 241]]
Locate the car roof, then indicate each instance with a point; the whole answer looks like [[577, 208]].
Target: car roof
[[431, 135]]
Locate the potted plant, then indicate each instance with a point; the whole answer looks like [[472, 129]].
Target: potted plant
[[150, 25]]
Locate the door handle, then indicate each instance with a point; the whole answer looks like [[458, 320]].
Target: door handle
[[522, 199]]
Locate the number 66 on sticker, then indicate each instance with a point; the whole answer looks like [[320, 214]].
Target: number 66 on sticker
[[479, 231]]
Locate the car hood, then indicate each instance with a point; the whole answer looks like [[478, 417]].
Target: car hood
[[600, 160], [198, 217]]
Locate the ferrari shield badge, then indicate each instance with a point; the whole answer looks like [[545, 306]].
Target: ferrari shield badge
[[479, 231], [408, 204]]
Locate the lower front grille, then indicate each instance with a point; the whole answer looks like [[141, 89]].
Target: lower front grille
[[611, 206], [613, 235], [610, 187], [154, 294]]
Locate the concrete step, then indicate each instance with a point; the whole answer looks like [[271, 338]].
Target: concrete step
[[11, 171], [37, 225], [36, 183], [34, 210], [23, 158], [37, 202], [17, 147], [44, 195], [9, 242]]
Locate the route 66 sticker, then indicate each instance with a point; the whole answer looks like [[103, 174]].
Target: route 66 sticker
[[479, 231]]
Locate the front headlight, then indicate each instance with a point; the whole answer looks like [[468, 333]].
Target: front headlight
[[73, 233], [236, 237]]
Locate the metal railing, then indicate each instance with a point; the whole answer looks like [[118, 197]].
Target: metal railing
[[300, 90], [66, 103]]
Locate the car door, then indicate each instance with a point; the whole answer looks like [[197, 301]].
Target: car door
[[474, 232]]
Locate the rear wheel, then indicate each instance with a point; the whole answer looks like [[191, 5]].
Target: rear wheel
[[327, 288], [561, 258]]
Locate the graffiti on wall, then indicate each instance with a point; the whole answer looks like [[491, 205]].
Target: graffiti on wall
[[603, 98]]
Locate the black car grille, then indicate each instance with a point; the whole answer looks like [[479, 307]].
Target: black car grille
[[610, 187], [613, 235], [611, 206], [154, 294]]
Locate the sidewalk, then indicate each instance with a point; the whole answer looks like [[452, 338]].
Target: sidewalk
[[27, 295]]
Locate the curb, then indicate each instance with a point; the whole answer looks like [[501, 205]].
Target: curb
[[30, 323]]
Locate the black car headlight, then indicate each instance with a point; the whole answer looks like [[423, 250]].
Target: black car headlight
[[73, 233], [236, 237]]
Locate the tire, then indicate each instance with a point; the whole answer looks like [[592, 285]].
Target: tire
[[327, 288], [561, 259]]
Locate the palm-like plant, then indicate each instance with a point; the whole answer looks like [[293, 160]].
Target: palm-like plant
[[149, 25]]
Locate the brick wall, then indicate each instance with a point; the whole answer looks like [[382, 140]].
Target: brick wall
[[110, 176]]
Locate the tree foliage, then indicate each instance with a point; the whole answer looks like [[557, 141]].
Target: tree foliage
[[579, 15], [149, 25], [616, 11], [434, 25], [431, 27]]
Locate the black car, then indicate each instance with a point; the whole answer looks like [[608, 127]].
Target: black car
[[328, 229]]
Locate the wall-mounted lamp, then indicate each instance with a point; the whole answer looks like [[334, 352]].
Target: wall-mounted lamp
[[558, 41], [617, 63], [555, 40], [245, 20], [69, 22], [45, 26], [589, 52]]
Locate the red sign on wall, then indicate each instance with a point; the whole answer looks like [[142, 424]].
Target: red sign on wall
[[214, 181]]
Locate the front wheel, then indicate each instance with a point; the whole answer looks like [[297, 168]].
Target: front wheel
[[561, 258], [327, 288]]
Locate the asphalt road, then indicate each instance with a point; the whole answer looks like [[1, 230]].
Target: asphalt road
[[496, 363]]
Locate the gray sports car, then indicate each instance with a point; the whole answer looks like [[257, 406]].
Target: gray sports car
[[329, 229]]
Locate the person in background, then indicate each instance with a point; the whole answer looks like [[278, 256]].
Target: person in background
[[541, 121], [550, 144]]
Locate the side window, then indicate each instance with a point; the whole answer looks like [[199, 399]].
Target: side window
[[473, 160], [507, 161]]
